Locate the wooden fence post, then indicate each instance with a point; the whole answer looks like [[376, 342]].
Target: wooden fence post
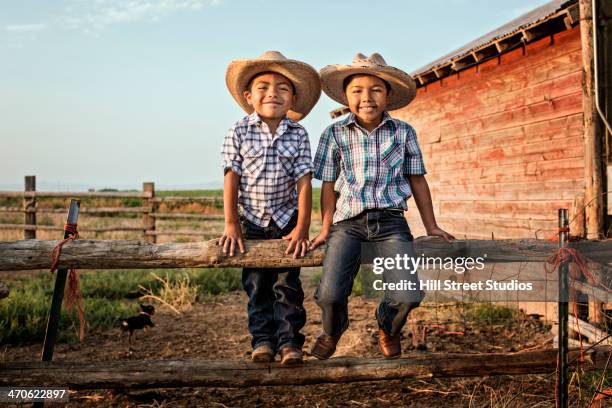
[[29, 208], [591, 127], [148, 222]]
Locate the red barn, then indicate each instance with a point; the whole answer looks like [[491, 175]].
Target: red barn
[[508, 129]]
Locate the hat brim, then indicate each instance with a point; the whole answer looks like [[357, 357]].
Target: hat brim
[[403, 86], [305, 79]]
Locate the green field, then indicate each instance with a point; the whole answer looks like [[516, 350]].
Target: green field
[[108, 294]]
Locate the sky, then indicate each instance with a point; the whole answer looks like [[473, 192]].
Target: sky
[[112, 93]]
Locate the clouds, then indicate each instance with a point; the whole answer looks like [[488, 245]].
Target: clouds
[[95, 16], [24, 28], [19, 34]]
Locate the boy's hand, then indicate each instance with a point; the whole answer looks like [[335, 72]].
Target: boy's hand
[[319, 240], [298, 242], [232, 236], [439, 232]]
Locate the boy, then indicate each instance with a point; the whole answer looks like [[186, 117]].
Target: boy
[[374, 164], [266, 155]]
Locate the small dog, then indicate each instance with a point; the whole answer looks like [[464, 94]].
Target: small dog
[[138, 322]]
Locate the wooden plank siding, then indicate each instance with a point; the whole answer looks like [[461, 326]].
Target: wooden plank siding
[[503, 141]]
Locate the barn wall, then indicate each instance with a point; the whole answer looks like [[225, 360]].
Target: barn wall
[[503, 141]]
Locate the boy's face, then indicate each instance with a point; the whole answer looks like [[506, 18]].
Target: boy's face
[[271, 95], [367, 98]]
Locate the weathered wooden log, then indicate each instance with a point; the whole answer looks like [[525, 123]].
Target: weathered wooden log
[[235, 374], [122, 254], [4, 290]]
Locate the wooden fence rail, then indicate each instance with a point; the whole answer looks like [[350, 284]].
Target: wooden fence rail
[[113, 210], [178, 232], [204, 200], [172, 216], [58, 228], [149, 211], [124, 254], [234, 374], [76, 194], [84, 210]]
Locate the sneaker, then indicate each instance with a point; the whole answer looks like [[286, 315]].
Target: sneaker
[[390, 346], [325, 346], [263, 354], [291, 355]]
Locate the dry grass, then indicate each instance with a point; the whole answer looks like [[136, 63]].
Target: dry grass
[[178, 295]]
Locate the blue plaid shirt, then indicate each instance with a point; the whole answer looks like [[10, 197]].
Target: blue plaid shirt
[[369, 170], [269, 166]]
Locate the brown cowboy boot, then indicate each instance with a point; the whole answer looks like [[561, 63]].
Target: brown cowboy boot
[[263, 354], [325, 346], [390, 346], [291, 355]]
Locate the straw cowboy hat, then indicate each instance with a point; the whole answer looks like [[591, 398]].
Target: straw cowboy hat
[[403, 87], [305, 79]]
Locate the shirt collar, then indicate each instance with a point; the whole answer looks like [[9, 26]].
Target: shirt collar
[[352, 119], [254, 118]]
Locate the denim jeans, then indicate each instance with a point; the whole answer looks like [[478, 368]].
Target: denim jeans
[[275, 307], [388, 231]]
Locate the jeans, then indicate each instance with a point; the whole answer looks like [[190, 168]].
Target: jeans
[[388, 231], [275, 307]]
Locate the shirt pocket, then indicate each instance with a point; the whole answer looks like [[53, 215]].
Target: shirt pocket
[[287, 155], [253, 158], [391, 155]]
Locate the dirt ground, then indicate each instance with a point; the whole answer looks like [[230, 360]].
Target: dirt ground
[[217, 330]]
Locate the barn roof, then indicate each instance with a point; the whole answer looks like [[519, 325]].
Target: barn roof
[[545, 20]]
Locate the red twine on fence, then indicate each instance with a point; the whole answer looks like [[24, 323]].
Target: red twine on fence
[[571, 238], [579, 265], [73, 234], [72, 292]]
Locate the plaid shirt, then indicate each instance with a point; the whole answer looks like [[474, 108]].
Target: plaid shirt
[[269, 166], [369, 170]]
